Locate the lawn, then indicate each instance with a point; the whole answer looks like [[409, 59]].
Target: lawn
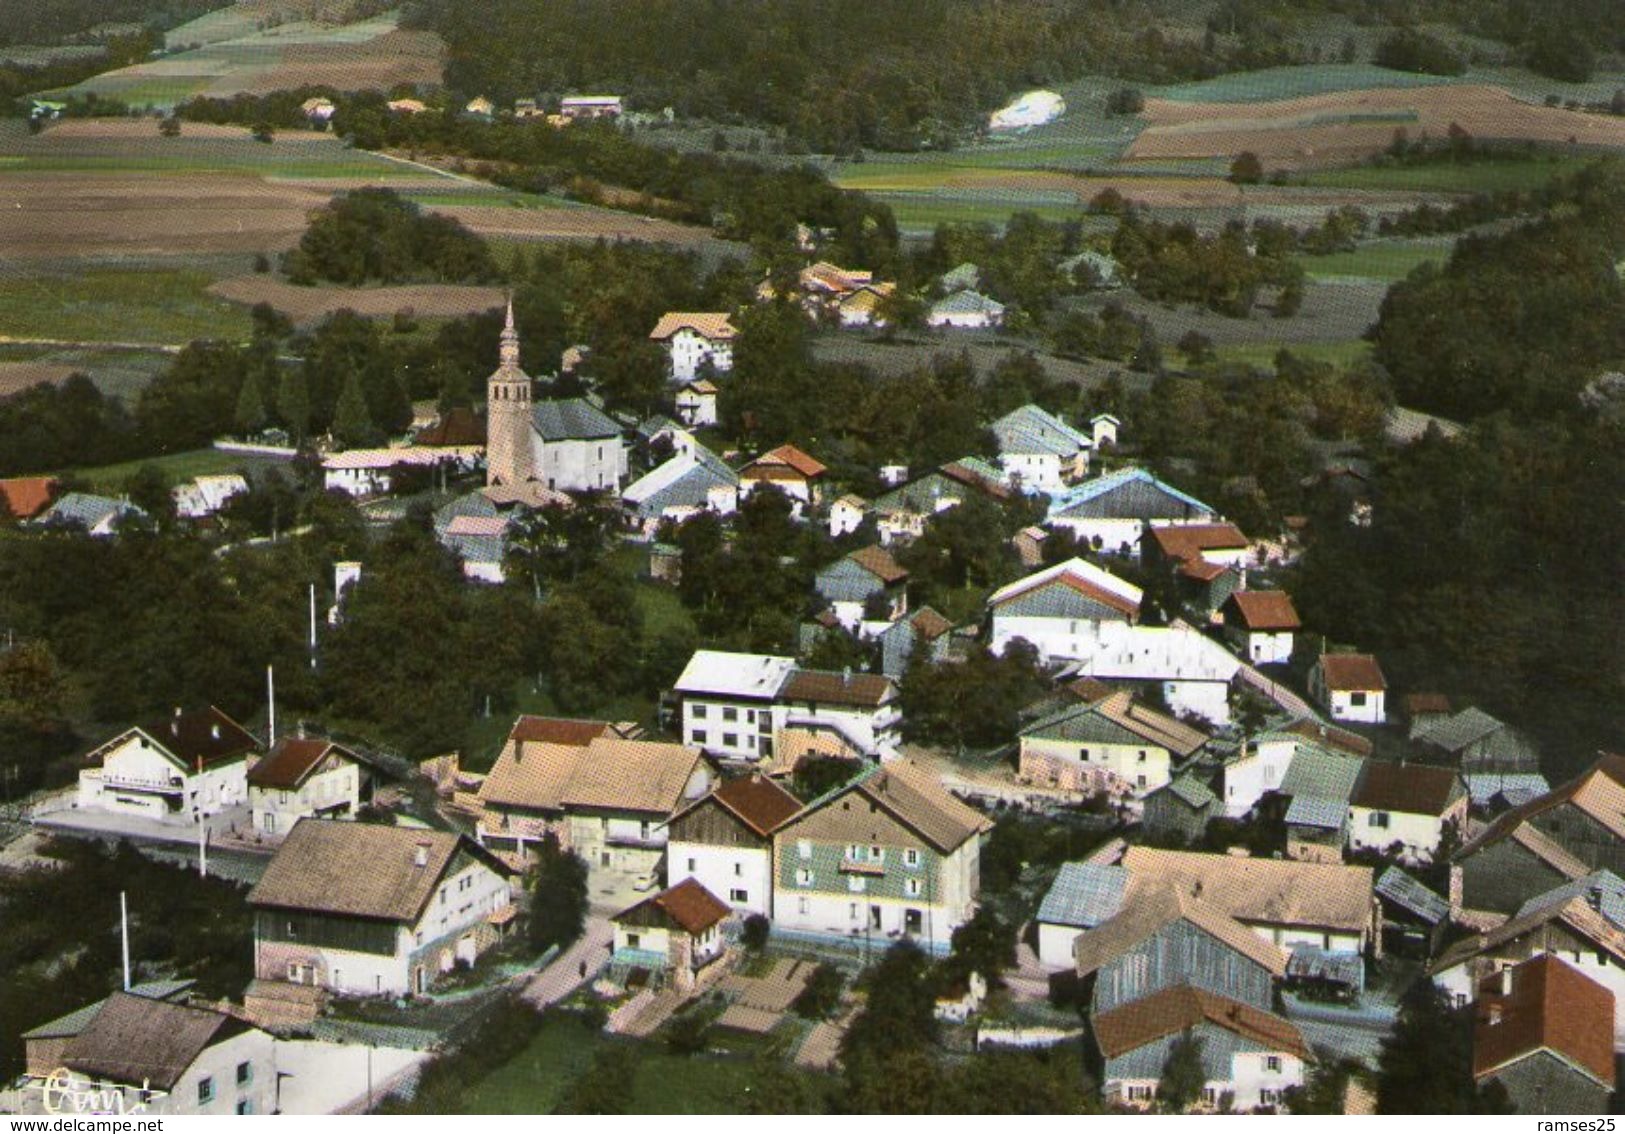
[[535, 1080], [177, 467], [924, 211], [1292, 82], [1449, 177], [1380, 260], [1263, 354], [121, 305]]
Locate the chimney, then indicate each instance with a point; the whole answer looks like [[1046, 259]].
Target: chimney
[[214, 731], [846, 676], [1594, 898], [420, 855], [1506, 981]]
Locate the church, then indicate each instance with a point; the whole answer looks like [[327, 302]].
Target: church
[[561, 445]]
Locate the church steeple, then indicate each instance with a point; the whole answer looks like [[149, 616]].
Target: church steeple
[[509, 452], [510, 341]]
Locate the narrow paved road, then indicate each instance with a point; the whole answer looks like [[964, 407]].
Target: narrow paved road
[[559, 979]]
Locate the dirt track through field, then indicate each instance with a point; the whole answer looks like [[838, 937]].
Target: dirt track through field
[[306, 305], [1350, 125]]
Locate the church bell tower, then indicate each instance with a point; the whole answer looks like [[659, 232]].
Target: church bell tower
[[509, 451]]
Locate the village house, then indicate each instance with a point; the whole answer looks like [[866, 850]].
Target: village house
[[204, 496], [791, 471], [890, 854], [1083, 895], [692, 481], [1555, 838], [1313, 802], [901, 514], [480, 544], [728, 702], [618, 798], [1493, 757], [1058, 611], [965, 310], [190, 765], [1350, 686], [822, 286], [44, 1044], [1414, 918], [1260, 766], [866, 585], [1180, 809], [724, 841], [1544, 1031], [99, 516], [1261, 624], [865, 306], [303, 777], [1111, 513], [370, 910], [674, 934], [24, 497], [697, 403], [1250, 1056], [151, 1055], [1038, 451], [696, 343], [847, 715], [1110, 745], [368, 472], [925, 632], [1580, 922], [577, 107], [521, 800], [1408, 806], [564, 445], [1029, 544], [847, 514], [1196, 551]]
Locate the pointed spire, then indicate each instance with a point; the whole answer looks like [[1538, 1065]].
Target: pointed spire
[[510, 340]]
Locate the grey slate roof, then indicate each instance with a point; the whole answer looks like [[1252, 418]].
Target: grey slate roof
[[1603, 887], [87, 509], [1033, 429], [1132, 494], [572, 419], [1455, 732], [968, 302], [1306, 962], [1084, 895], [1410, 895], [1320, 784], [1515, 787], [689, 488], [1192, 791], [74, 1022]]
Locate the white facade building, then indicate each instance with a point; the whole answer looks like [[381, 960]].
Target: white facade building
[[190, 765], [695, 341], [300, 778], [1351, 687]]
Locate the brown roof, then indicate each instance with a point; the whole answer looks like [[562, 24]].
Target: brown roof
[[292, 761], [1175, 735], [364, 870], [645, 776], [1202, 570], [1266, 610], [919, 800], [879, 562], [1266, 890], [1089, 689], [1173, 1010], [135, 1040], [1416, 789], [929, 624], [1551, 1007], [708, 324], [1345, 672], [559, 730], [459, 425], [1575, 914], [25, 497], [1148, 907], [201, 736], [760, 803], [784, 457], [969, 477], [687, 906], [863, 690], [1188, 541], [1330, 735], [1417, 704], [1599, 791], [531, 775]]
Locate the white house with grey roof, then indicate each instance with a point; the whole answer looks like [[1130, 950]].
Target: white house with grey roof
[[578, 447], [1112, 512], [965, 310], [694, 480], [1083, 895], [1038, 451], [1059, 610], [99, 516]]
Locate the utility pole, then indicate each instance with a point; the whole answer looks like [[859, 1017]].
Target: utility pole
[[124, 935], [313, 626], [270, 705]]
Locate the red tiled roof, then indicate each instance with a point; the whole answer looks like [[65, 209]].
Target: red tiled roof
[[866, 690], [970, 478], [1188, 541], [785, 456], [759, 802], [292, 760], [879, 562], [1356, 672], [560, 730], [1331, 736], [1414, 789], [1131, 1026], [1551, 1006], [688, 906], [1417, 704], [1266, 610], [457, 426], [25, 497]]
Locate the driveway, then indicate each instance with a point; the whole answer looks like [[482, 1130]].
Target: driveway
[[563, 975]]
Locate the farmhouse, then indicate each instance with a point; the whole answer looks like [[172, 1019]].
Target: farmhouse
[[725, 841], [692, 481], [206, 495], [1316, 791], [901, 514], [368, 910], [1083, 895], [867, 584], [924, 630], [890, 854], [99, 516], [1058, 610], [1261, 624], [696, 342], [521, 800], [618, 798], [1108, 746], [1180, 809], [866, 305], [965, 310], [1544, 1031], [189, 765], [1411, 805], [367, 472], [1112, 512], [148, 1054], [1351, 686], [1038, 451], [675, 933], [788, 469], [302, 777]]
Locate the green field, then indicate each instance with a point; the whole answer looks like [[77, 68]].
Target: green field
[[177, 467], [1263, 354], [168, 306], [1276, 83], [535, 1081], [1379, 260], [1450, 177]]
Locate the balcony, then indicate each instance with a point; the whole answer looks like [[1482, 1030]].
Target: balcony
[[174, 786]]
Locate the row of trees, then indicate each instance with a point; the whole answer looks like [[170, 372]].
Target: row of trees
[[374, 235]]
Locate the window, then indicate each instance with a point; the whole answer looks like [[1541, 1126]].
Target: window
[[854, 853], [205, 1090], [1142, 755], [1378, 819], [911, 857], [1267, 1097], [912, 887], [803, 848], [632, 940], [803, 878], [643, 830], [245, 1073], [750, 716], [876, 855], [1083, 754], [699, 712], [739, 869], [296, 973], [738, 897], [1357, 700], [730, 740], [804, 906], [292, 932], [1139, 1093], [729, 713], [857, 883], [698, 736], [1272, 1063], [692, 865], [245, 1106]]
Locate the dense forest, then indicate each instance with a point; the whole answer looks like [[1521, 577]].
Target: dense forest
[[43, 22]]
